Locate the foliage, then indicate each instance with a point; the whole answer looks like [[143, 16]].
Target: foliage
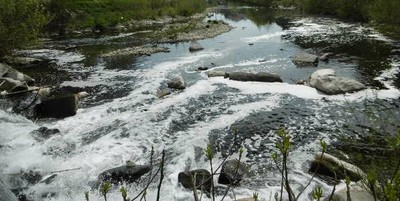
[[20, 23], [76, 14], [105, 188]]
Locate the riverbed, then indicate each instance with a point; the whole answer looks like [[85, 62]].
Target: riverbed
[[123, 118]]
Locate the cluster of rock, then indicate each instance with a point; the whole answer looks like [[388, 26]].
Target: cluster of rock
[[38, 101], [232, 173], [136, 51]]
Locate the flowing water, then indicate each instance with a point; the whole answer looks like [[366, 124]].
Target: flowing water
[[123, 118]]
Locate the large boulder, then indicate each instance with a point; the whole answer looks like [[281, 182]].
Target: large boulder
[[232, 172], [57, 107], [128, 173], [8, 72], [254, 77], [327, 82], [357, 192], [332, 167], [195, 46], [305, 59], [11, 85], [177, 83], [201, 176]]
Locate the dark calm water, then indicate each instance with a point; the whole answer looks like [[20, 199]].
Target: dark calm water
[[123, 118]]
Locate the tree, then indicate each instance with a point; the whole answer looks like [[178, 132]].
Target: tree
[[21, 22]]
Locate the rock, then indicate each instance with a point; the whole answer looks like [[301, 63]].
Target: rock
[[246, 199], [328, 165], [232, 172], [202, 68], [8, 72], [128, 173], [11, 85], [57, 107], [325, 57], [177, 83], [5, 193], [163, 92], [81, 95], [195, 46], [202, 177], [251, 44], [259, 77], [326, 81], [357, 192], [216, 74], [305, 59], [44, 133]]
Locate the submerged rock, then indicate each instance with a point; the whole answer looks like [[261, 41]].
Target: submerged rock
[[326, 81], [325, 57], [5, 193], [128, 173], [201, 176], [330, 166], [177, 83], [232, 172], [44, 133], [195, 46], [163, 92], [202, 68], [305, 59], [254, 77]]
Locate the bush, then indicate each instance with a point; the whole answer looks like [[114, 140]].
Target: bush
[[21, 21]]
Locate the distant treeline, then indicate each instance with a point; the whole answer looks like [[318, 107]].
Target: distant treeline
[[385, 14]]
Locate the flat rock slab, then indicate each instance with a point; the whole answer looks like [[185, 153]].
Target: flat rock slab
[[305, 59], [254, 77]]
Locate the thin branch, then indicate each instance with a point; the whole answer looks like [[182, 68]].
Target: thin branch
[[161, 176]]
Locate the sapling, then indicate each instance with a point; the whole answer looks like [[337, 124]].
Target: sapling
[[105, 188], [87, 195], [210, 155], [124, 194], [317, 193], [255, 196]]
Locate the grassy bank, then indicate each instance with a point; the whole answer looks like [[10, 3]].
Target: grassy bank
[[80, 14]]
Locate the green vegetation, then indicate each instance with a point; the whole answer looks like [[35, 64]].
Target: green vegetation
[[20, 23], [79, 14]]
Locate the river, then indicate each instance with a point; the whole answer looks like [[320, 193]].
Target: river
[[122, 119]]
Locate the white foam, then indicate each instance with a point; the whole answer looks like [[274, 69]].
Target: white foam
[[264, 38]]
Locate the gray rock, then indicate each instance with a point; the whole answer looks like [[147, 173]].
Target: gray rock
[[326, 81], [177, 83], [7, 72], [357, 192], [305, 59], [258, 77], [22, 61], [57, 107], [5, 192], [201, 176], [232, 172], [325, 57], [163, 92], [246, 199], [44, 133], [11, 85], [128, 173], [216, 74], [330, 166], [195, 46]]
